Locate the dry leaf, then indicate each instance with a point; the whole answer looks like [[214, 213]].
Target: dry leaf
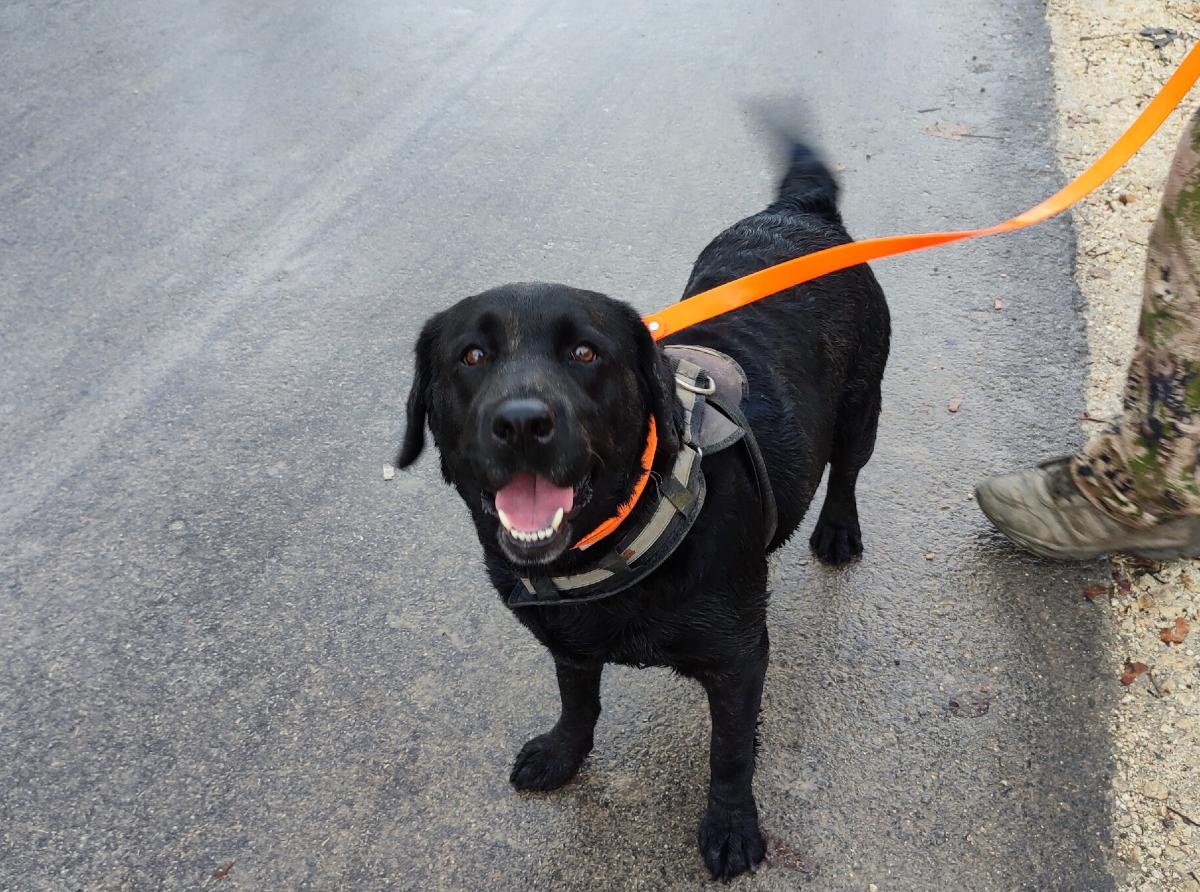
[[1132, 671], [1095, 591], [954, 404], [1100, 272], [1160, 37], [223, 871], [1176, 634]]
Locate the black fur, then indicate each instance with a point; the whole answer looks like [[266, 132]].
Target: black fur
[[814, 356]]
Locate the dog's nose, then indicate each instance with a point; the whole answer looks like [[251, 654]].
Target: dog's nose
[[523, 422]]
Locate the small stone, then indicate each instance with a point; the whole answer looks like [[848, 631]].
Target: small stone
[[388, 472], [1157, 790], [871, 887]]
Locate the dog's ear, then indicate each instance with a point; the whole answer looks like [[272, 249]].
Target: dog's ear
[[657, 385], [419, 395]]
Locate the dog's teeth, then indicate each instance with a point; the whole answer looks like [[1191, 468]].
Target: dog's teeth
[[531, 536]]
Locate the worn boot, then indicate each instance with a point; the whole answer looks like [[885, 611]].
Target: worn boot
[[1043, 511]]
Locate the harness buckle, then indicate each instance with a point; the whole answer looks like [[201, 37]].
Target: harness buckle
[[705, 390]]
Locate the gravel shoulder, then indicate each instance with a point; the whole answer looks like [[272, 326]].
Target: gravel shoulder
[[1105, 70]]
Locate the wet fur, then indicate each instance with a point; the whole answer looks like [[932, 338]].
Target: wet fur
[[814, 356]]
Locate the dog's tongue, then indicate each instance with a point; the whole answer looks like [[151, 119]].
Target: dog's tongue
[[530, 501]]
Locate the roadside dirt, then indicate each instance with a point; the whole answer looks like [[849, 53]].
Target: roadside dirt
[[1109, 59]]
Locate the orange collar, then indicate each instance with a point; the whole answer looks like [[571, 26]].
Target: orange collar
[[623, 512]]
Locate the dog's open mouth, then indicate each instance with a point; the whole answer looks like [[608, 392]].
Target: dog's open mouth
[[534, 515]]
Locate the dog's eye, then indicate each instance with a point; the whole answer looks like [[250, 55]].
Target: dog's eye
[[473, 355], [584, 353]]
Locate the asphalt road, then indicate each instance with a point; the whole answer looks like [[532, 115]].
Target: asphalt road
[[225, 638]]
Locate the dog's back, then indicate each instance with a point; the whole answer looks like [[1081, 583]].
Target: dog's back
[[814, 354]]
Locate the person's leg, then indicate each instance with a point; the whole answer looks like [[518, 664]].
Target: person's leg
[[1134, 488], [1143, 470]]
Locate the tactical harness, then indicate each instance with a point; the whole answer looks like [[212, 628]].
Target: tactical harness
[[711, 388]]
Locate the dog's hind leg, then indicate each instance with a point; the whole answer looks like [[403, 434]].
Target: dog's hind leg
[[837, 537]]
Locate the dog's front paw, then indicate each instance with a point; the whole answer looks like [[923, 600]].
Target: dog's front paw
[[835, 542], [730, 842], [547, 762]]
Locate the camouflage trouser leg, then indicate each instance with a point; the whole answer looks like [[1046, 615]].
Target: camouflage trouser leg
[[1144, 469]]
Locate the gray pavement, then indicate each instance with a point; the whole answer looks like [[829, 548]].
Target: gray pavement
[[226, 639]]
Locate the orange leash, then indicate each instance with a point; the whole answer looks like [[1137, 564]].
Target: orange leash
[[774, 279], [791, 273]]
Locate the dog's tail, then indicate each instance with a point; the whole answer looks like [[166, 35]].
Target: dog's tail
[[808, 186]]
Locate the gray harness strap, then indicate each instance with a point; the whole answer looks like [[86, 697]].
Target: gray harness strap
[[728, 425], [709, 387]]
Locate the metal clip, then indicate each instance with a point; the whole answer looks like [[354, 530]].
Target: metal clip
[[711, 388]]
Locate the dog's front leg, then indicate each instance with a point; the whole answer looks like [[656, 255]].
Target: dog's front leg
[[550, 760], [730, 840]]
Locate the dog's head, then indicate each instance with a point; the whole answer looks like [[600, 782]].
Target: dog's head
[[539, 399]]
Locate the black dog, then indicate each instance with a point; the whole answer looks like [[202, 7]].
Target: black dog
[[542, 399]]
